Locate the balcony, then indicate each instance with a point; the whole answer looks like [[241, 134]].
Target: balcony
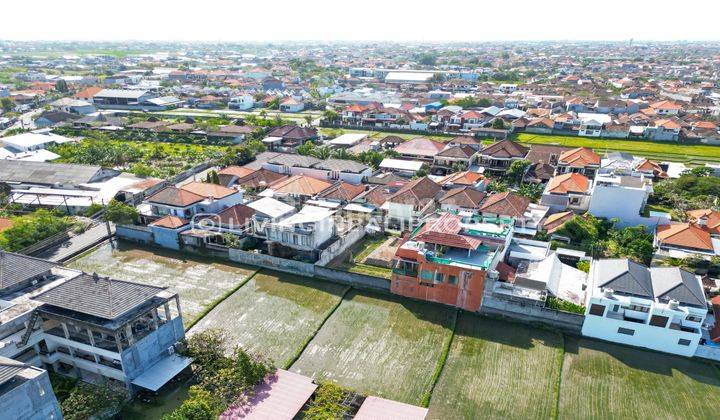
[[620, 316]]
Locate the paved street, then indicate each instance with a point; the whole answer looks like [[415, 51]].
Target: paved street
[[76, 244]]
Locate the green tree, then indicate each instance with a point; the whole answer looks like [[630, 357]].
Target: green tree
[[516, 171], [61, 86], [498, 124], [32, 228], [330, 115], [118, 212], [7, 104]]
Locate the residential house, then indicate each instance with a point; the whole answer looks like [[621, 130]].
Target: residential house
[[580, 160], [663, 130], [296, 189], [666, 108], [411, 202], [660, 308], [241, 102], [293, 135], [448, 159], [308, 230], [569, 191], [291, 105], [498, 157], [691, 239], [620, 196], [54, 118], [166, 231], [464, 179], [419, 148], [462, 199], [401, 167], [448, 258], [193, 198]]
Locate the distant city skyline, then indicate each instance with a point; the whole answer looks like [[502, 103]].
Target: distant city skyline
[[372, 20]]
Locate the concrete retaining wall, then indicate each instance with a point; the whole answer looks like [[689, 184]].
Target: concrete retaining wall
[[341, 245], [564, 321], [275, 263], [140, 234], [707, 352]]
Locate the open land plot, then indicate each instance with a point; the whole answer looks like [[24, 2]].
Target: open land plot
[[658, 150], [198, 281], [604, 380], [274, 314], [379, 345], [498, 369], [354, 261]]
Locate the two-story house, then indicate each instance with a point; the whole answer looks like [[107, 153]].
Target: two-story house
[[498, 157], [660, 308], [569, 191]]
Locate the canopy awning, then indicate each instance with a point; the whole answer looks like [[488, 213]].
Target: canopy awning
[[161, 372]]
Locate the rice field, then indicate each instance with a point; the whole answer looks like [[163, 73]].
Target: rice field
[[199, 281], [274, 314], [603, 380], [650, 149], [497, 369], [379, 345]]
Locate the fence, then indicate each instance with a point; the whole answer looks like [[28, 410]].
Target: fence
[[190, 172], [142, 234], [341, 245]]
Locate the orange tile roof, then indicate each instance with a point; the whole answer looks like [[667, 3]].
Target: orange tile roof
[[206, 189], [300, 185], [712, 219], [580, 157], [170, 222], [684, 235], [462, 178], [5, 223], [665, 105], [238, 171], [569, 183], [557, 220], [667, 124], [88, 93]]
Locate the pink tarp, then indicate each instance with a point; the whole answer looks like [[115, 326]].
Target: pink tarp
[[375, 408], [280, 397]]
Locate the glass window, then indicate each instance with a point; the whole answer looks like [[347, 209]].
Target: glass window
[[694, 318], [452, 279], [658, 321], [626, 331], [597, 310], [439, 277], [684, 342]]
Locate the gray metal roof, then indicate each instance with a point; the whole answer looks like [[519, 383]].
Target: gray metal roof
[[98, 296], [9, 368], [16, 268], [46, 173], [624, 276], [342, 165], [675, 283], [294, 160], [120, 93]]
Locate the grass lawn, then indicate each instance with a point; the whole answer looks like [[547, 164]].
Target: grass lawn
[[497, 369], [274, 314], [379, 345], [380, 134], [603, 380], [650, 149], [198, 281], [351, 261]]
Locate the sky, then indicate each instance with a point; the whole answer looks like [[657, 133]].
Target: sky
[[364, 20]]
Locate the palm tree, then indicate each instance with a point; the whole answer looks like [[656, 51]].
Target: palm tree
[[322, 152], [308, 119]]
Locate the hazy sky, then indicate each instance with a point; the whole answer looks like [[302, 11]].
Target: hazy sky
[[343, 20]]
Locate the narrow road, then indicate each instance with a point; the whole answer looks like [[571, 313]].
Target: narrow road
[[76, 244]]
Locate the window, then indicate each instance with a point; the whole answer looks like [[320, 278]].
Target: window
[[626, 331], [637, 308], [452, 279], [597, 310], [658, 321], [684, 342], [694, 318], [426, 275], [439, 278]]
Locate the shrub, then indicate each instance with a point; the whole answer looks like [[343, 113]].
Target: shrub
[[563, 305], [32, 228], [118, 212], [327, 403]]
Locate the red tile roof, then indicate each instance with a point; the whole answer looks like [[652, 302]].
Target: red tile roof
[[580, 158], [505, 204], [206, 189], [170, 222], [569, 183]]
